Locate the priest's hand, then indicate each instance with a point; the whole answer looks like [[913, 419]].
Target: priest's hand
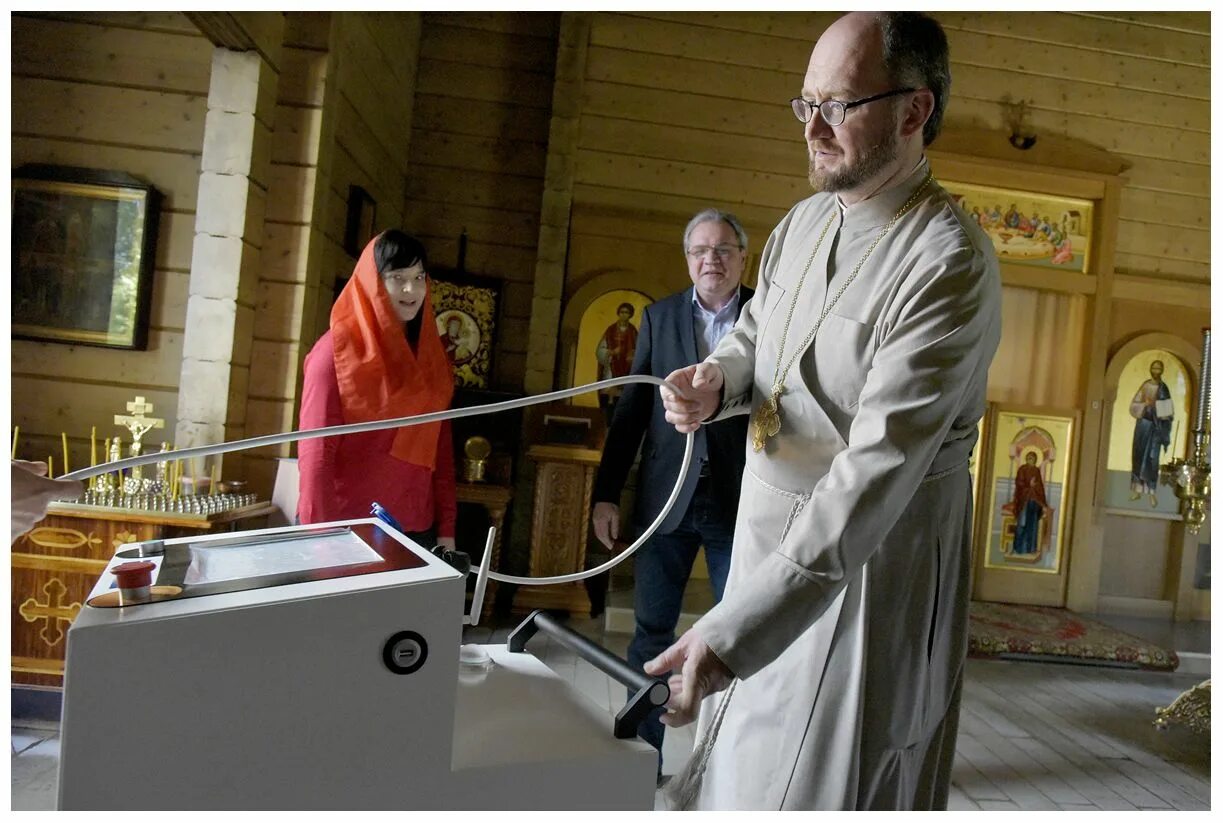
[[702, 384], [33, 491], [701, 674], [447, 543], [606, 522]]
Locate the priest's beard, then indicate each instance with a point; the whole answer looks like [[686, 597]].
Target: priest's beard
[[873, 160]]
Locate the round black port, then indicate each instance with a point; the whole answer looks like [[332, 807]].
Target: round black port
[[405, 652]]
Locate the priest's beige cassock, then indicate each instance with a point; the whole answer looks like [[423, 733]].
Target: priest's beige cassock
[[846, 607]]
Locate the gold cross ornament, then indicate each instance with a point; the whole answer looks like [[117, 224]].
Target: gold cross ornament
[[52, 611]]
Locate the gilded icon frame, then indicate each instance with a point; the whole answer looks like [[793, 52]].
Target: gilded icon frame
[[1029, 539], [465, 309]]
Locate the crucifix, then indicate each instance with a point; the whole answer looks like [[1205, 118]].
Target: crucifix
[[138, 425]]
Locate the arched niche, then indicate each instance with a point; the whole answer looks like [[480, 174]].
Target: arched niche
[[1144, 548], [596, 284], [1189, 358]]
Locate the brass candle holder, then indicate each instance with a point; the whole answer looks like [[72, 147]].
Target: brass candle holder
[[476, 451], [1190, 479]]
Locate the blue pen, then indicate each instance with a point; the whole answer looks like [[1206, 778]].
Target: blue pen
[[385, 516], [457, 559]]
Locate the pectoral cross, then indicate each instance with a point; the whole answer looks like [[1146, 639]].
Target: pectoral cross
[[766, 422]]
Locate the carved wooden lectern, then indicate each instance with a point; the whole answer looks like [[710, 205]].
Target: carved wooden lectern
[[567, 443]]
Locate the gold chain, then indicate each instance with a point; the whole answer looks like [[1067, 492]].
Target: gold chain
[[780, 383], [785, 329], [767, 420]]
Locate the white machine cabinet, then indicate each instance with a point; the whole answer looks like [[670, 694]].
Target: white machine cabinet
[[317, 667]]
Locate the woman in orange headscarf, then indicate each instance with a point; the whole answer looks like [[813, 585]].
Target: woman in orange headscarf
[[382, 358]]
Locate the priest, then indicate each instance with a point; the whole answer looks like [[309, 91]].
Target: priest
[[833, 666]]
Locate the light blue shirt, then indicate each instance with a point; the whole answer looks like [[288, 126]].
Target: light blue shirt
[[710, 327]]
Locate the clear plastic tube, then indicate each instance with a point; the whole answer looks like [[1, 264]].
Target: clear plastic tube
[[415, 420]]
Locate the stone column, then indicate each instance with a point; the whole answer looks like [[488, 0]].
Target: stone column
[[229, 234]]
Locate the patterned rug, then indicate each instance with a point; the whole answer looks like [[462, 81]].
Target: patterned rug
[[1040, 633]]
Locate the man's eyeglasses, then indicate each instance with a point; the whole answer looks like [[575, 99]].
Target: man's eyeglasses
[[722, 252], [833, 111]]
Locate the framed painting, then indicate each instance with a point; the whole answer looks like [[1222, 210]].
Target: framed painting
[[1028, 476], [1150, 425], [465, 307], [83, 248], [361, 219], [1030, 228]]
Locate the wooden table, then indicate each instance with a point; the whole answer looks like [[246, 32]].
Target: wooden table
[[56, 563]]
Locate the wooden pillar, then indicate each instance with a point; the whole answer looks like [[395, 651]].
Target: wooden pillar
[[557, 200], [1086, 535], [553, 247]]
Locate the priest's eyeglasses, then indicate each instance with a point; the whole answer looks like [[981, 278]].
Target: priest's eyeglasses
[[833, 111], [721, 252]]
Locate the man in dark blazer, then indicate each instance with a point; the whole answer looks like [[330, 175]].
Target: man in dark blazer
[[677, 331]]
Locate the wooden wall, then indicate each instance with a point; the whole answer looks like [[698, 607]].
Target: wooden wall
[[686, 108], [1134, 83], [122, 91], [375, 56], [479, 148]]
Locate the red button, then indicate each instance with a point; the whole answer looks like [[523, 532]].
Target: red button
[[134, 575]]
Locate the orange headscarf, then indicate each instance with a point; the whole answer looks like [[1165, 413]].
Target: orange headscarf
[[378, 374]]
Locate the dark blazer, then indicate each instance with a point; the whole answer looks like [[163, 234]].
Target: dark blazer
[[666, 342]]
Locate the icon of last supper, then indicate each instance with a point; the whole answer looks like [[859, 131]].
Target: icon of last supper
[[1029, 228]]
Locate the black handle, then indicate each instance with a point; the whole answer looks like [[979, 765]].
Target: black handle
[[650, 691]]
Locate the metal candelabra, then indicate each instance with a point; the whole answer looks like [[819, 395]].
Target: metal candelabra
[[1190, 478]]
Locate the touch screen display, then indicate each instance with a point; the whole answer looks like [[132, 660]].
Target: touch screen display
[[272, 558], [325, 551]]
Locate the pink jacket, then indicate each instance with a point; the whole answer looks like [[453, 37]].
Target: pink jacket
[[341, 476]]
